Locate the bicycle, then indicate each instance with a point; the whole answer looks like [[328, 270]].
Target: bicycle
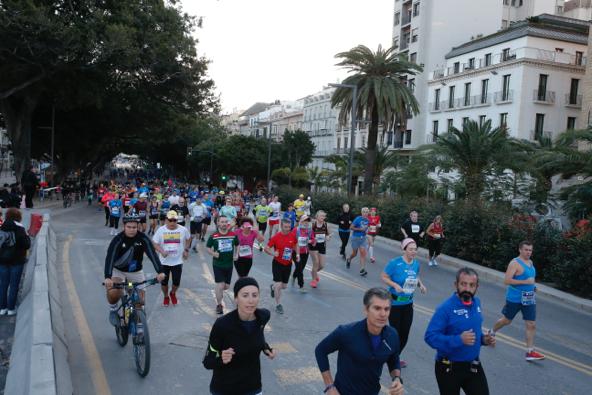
[[132, 320]]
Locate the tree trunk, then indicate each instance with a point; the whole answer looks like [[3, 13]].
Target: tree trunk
[[371, 152], [18, 113]]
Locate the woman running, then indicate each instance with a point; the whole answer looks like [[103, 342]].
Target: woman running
[[319, 249], [246, 238], [305, 237], [153, 211]]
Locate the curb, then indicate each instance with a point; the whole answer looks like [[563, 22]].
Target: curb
[[492, 275]]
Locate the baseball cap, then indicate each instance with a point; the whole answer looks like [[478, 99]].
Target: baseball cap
[[301, 196], [172, 214]]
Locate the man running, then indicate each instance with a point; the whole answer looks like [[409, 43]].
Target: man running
[[141, 209], [299, 205], [373, 228], [281, 246], [359, 241], [455, 332], [262, 213], [274, 219], [221, 246], [172, 241], [520, 296], [124, 262], [363, 348], [181, 210], [197, 213]]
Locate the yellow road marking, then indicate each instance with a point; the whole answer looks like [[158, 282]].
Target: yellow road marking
[[207, 274], [98, 376], [200, 303], [570, 363], [297, 376]]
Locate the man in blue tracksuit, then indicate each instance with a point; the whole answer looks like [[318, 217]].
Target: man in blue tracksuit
[[455, 332], [363, 348]]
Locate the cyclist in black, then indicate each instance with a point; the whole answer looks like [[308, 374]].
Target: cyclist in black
[[124, 262]]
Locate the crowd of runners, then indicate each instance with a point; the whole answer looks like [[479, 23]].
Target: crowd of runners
[[167, 221]]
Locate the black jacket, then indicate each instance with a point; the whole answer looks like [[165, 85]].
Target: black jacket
[[243, 373], [22, 243], [141, 245], [344, 220]]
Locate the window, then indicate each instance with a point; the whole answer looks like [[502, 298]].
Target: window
[[559, 10], [414, 35], [437, 99], [434, 129], [397, 18], [573, 91], [579, 58], [465, 120], [504, 120], [506, 88], [449, 124], [396, 42], [413, 57], [487, 59], [338, 144], [411, 84], [571, 123], [345, 143], [471, 63], [451, 97], [416, 9], [504, 24], [456, 67], [539, 124], [484, 86], [560, 50], [482, 119], [542, 89], [389, 138], [408, 137], [505, 54], [467, 100]]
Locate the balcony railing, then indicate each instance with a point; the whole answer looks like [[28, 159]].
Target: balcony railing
[[537, 135], [480, 100], [435, 107], [543, 97], [406, 19], [431, 138], [503, 96], [573, 100]]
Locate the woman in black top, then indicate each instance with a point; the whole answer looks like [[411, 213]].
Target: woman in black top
[[344, 221], [236, 340]]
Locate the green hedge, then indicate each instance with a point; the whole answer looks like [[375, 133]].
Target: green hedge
[[485, 234]]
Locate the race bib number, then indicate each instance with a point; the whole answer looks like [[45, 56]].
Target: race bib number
[[142, 213], [172, 252], [410, 285], [372, 229], [528, 298], [437, 235], [115, 210], [302, 241], [287, 254], [415, 228], [244, 250], [262, 213], [320, 237], [225, 245]]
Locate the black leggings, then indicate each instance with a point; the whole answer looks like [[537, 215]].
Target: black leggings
[[107, 215], [435, 247], [344, 236], [243, 266], [401, 318], [452, 377], [299, 268], [113, 222]]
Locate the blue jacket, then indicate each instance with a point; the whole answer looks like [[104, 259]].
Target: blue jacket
[[451, 319], [359, 366]]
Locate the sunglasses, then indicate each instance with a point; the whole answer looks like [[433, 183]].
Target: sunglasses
[[172, 219]]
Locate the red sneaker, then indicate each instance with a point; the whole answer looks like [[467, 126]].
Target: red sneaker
[[313, 283], [534, 356], [166, 301], [173, 298]]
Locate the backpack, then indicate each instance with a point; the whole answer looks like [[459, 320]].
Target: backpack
[[7, 245]]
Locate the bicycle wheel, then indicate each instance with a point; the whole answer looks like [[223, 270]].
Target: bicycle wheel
[[142, 344], [122, 335]]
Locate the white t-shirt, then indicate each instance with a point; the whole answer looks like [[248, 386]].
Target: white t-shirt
[[173, 242], [276, 207], [197, 211], [174, 200]]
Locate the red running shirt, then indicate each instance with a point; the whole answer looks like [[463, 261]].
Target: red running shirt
[[373, 222], [284, 244]]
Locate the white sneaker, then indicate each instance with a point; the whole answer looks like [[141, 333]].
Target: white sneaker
[[3, 311], [435, 263], [431, 262], [11, 312]]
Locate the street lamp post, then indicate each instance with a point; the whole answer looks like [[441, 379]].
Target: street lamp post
[[352, 134], [269, 156]]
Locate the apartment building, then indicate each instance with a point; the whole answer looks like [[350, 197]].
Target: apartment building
[[527, 78]]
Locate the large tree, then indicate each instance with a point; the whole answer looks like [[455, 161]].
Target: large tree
[[383, 94], [122, 72]]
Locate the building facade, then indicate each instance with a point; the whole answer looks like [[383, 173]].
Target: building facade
[[527, 78]]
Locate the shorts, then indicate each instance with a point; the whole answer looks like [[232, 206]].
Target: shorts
[[176, 272], [321, 248], [243, 266], [207, 221], [162, 217], [262, 227], [194, 227], [154, 216], [143, 220], [222, 274], [281, 273], [134, 277], [273, 222], [359, 242], [511, 309]]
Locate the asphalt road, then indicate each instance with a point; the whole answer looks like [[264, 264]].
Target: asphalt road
[[179, 334]]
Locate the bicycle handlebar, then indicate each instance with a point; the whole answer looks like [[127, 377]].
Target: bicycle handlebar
[[140, 285]]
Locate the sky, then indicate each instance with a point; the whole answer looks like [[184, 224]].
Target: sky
[[266, 50]]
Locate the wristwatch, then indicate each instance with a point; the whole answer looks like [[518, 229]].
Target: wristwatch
[[327, 388], [398, 377]]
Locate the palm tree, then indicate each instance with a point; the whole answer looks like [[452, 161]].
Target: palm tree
[[383, 94], [385, 158], [476, 152], [338, 177]]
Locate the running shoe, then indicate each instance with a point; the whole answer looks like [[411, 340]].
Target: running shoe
[[372, 260], [114, 317], [166, 301], [348, 263], [219, 309], [435, 262], [272, 291], [403, 364], [173, 298], [314, 283], [431, 262], [194, 249], [279, 309], [302, 290], [534, 356], [363, 273]]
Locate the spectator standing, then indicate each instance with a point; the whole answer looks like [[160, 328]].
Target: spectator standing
[[29, 181]]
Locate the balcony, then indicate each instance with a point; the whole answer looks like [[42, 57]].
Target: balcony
[[431, 138], [537, 135], [543, 97], [435, 107], [573, 101], [503, 97], [406, 19], [480, 100]]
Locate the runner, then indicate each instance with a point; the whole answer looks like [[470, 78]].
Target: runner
[[124, 262], [181, 210], [172, 241], [455, 331], [165, 207], [299, 206], [221, 246], [344, 222], [236, 341], [174, 198], [246, 238], [141, 209], [363, 348], [115, 208], [359, 240], [319, 248], [107, 197], [210, 206], [520, 296], [305, 236], [262, 212], [197, 212], [412, 228], [274, 219], [435, 234], [402, 276], [308, 206], [283, 244], [373, 228], [229, 212], [290, 215], [153, 210]]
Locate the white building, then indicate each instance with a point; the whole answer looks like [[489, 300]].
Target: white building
[[426, 29], [527, 77], [578, 9]]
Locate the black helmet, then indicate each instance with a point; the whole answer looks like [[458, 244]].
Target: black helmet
[[131, 218]]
